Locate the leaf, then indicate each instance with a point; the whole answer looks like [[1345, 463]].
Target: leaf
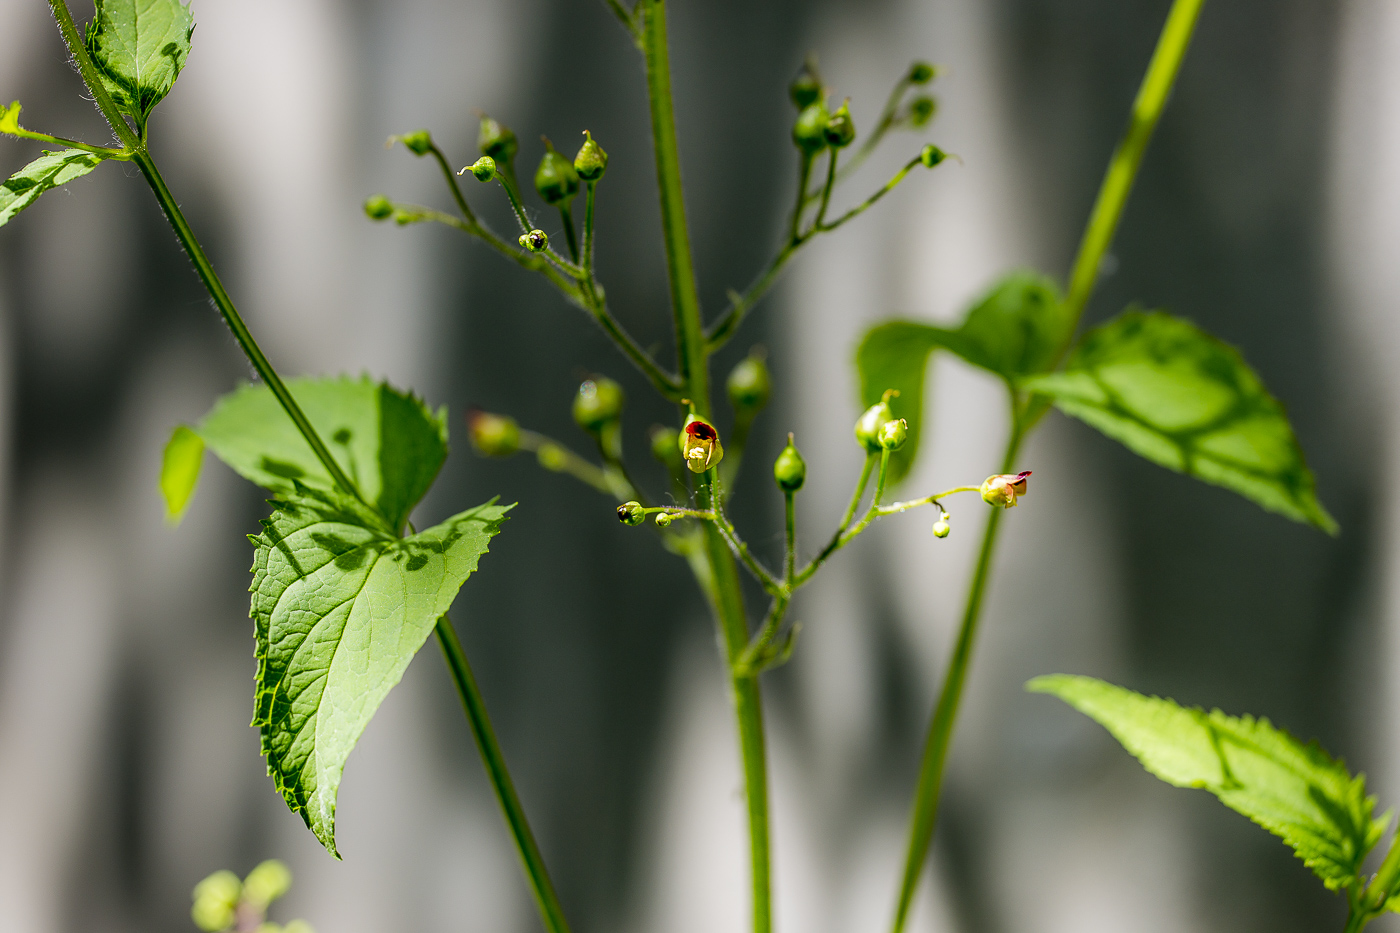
[[388, 442], [45, 173], [9, 119], [139, 48], [1013, 331], [340, 607], [1173, 394], [179, 471], [1295, 791]]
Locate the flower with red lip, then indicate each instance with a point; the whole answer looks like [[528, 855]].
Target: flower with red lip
[[700, 446], [1003, 488]]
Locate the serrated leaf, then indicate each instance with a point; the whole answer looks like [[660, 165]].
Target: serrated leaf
[[1015, 330], [139, 48], [9, 119], [1295, 791], [1177, 396], [45, 173], [387, 441], [179, 471], [340, 606]]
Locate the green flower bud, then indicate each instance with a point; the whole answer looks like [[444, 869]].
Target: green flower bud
[[664, 446], [921, 111], [598, 403], [749, 385], [553, 458], [663, 520], [555, 179], [931, 155], [493, 435], [893, 434], [840, 128], [869, 424], [921, 73], [379, 208], [215, 900], [266, 883], [806, 89], [591, 161], [419, 142], [809, 132], [790, 470], [536, 241], [699, 445], [483, 169], [941, 527], [497, 141], [630, 513]]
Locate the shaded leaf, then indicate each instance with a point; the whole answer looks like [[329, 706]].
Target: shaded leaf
[[1173, 394], [45, 173], [340, 606], [139, 48], [1295, 791], [179, 471]]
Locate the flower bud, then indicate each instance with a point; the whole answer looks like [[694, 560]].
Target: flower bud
[[790, 470], [553, 457], [598, 403], [664, 446], [555, 179], [266, 883], [840, 129], [419, 142], [663, 520], [493, 435], [1003, 488], [893, 434], [497, 141], [809, 132], [483, 169], [379, 208], [699, 444], [805, 89], [941, 527], [630, 513], [921, 73], [749, 385], [591, 161], [931, 155], [921, 111], [215, 900], [536, 241], [869, 424]]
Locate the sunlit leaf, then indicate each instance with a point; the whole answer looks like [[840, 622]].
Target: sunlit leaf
[[45, 173], [139, 48], [9, 119], [179, 471]]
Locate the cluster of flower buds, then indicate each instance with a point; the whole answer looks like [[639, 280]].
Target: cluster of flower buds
[[221, 901], [790, 470], [1003, 488], [493, 435], [699, 444], [870, 427]]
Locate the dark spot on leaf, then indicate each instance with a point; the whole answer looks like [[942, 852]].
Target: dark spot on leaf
[[342, 436], [281, 468]]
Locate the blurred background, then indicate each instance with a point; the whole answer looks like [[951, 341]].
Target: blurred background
[[1268, 210]]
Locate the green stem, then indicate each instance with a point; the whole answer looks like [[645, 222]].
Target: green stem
[[570, 237], [1123, 167], [495, 763], [91, 78], [1356, 920], [790, 564], [833, 155]]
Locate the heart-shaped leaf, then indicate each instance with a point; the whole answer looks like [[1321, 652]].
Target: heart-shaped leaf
[[139, 48]]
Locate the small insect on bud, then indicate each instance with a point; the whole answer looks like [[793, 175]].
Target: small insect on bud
[[591, 161], [931, 155], [921, 111], [630, 513], [809, 132], [840, 129], [664, 446], [483, 169], [663, 520], [598, 403], [941, 527], [869, 424], [555, 179], [921, 73], [749, 384], [699, 444], [893, 434], [379, 208], [805, 89], [493, 435], [497, 141], [790, 470], [1003, 488], [536, 241]]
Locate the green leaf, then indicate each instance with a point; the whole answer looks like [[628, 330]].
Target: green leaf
[[388, 442], [1173, 394], [45, 173], [179, 471], [9, 119], [139, 48], [341, 606], [1015, 330], [1295, 791]]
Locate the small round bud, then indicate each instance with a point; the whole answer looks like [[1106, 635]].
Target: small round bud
[[663, 520], [484, 169], [591, 161], [840, 129], [215, 900], [379, 208], [921, 111], [893, 434], [536, 241], [555, 179], [790, 470], [921, 73], [553, 458], [497, 141], [931, 155], [630, 513], [699, 444], [266, 883], [1003, 488], [493, 435], [809, 132], [664, 446], [941, 527], [749, 384], [805, 89], [869, 424], [419, 142], [598, 403]]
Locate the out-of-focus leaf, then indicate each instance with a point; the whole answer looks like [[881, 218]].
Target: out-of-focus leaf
[[179, 471], [45, 173]]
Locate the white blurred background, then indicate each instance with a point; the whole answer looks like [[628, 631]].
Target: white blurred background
[[1268, 210]]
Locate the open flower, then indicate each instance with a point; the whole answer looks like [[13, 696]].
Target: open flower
[[1003, 488], [700, 445]]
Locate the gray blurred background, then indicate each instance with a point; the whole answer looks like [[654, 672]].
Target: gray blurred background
[[1268, 211]]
